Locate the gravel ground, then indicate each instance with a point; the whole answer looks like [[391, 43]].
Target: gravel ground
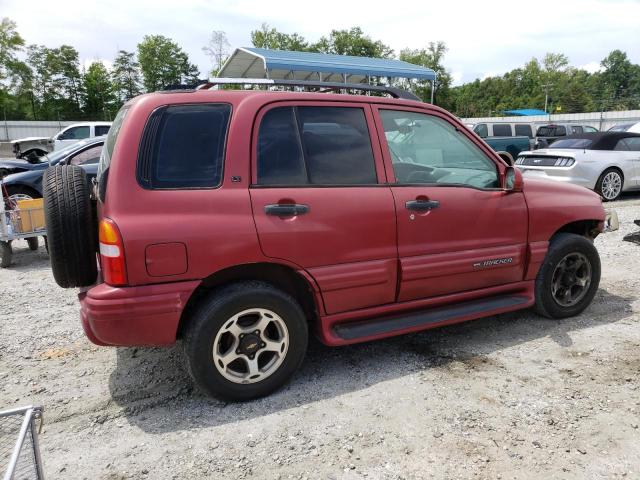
[[511, 396]]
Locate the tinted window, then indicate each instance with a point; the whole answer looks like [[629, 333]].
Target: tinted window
[[622, 145], [501, 130], [315, 145], [187, 144], [86, 157], [280, 160], [75, 133], [481, 130], [551, 131], [572, 143], [427, 149], [102, 130], [524, 131], [633, 144]]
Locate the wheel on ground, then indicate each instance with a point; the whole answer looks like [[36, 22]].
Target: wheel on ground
[[569, 277], [5, 254], [609, 185], [17, 192], [245, 341], [33, 243], [70, 226]]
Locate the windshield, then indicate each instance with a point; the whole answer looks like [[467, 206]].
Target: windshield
[[623, 127], [551, 131], [578, 143]]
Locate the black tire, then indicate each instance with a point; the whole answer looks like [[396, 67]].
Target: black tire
[[69, 219], [600, 181], [5, 254], [561, 245], [214, 313], [33, 243]]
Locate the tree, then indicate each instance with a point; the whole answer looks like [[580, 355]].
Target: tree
[[217, 49], [100, 101], [126, 76], [163, 63], [268, 37], [620, 80], [10, 44], [431, 57], [352, 42]]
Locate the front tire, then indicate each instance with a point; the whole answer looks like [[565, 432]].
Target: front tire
[[569, 277], [245, 341], [609, 185]]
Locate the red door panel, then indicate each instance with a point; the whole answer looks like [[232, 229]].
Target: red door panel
[[346, 240]]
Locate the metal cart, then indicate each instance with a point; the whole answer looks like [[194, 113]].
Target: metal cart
[[19, 450], [17, 223]]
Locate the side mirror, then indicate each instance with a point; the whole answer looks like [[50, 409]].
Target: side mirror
[[512, 180]]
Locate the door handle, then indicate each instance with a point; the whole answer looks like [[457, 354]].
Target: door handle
[[422, 205], [286, 209]]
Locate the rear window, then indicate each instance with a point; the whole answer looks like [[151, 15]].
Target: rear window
[[578, 143], [502, 130], [107, 151], [552, 131], [183, 147]]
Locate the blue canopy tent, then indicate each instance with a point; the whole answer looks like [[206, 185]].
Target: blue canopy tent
[[525, 112], [288, 65]]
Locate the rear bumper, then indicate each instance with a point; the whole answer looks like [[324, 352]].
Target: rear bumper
[[559, 174], [132, 316]]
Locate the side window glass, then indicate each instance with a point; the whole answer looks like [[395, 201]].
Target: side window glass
[[622, 145], [425, 149], [633, 143], [183, 147], [75, 133], [337, 146], [315, 145], [482, 130], [86, 157], [502, 130], [590, 129], [576, 129], [524, 131], [102, 130], [280, 160]]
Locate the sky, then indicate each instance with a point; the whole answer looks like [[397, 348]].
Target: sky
[[484, 38]]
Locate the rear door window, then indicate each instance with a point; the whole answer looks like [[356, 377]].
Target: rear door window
[[315, 146], [502, 130], [183, 147], [102, 130], [523, 130], [75, 133], [86, 157]]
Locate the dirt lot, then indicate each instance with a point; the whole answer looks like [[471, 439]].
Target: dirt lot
[[513, 396]]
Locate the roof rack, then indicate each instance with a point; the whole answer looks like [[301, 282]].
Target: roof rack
[[394, 92]]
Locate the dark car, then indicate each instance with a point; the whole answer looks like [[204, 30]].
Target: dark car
[[28, 182]]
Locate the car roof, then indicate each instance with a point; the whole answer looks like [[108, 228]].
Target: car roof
[[603, 140]]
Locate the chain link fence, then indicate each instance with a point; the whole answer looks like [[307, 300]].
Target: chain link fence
[[19, 452]]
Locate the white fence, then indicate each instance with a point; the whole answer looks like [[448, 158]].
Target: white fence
[[14, 129], [599, 120]]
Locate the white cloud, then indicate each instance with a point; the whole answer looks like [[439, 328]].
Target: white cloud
[[480, 39], [591, 67]]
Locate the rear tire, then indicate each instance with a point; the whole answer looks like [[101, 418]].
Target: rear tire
[[70, 226], [571, 261], [610, 184], [236, 325], [5, 254]]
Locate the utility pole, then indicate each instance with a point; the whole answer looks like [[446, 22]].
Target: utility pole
[[546, 96]]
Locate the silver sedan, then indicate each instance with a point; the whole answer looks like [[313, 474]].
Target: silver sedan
[[606, 162]]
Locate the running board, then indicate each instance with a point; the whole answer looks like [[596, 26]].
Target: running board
[[426, 318]]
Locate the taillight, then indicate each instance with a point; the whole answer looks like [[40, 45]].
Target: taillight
[[114, 267]]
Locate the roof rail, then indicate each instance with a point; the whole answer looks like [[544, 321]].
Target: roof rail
[[394, 92]]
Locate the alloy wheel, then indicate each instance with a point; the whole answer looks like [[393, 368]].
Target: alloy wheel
[[571, 279], [611, 185], [251, 346]]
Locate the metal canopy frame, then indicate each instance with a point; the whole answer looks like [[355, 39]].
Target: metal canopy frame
[[394, 92]]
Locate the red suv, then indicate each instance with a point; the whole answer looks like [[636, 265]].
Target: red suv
[[237, 221]]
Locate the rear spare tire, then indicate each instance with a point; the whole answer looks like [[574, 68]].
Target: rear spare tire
[[70, 226]]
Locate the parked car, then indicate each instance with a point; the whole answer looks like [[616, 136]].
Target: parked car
[[27, 184], [633, 127], [606, 162], [34, 147], [547, 134], [239, 233], [507, 139]]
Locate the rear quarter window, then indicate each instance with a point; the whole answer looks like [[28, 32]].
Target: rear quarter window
[[502, 130], [183, 147]]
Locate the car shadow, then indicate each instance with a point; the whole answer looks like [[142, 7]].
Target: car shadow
[[156, 394]]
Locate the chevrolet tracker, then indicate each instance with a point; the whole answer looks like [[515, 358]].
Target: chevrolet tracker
[[238, 221]]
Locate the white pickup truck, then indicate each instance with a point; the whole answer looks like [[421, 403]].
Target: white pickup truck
[[39, 146]]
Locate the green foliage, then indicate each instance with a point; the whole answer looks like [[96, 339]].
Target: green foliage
[[99, 97], [352, 42], [431, 57], [266, 37], [126, 76], [163, 63]]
